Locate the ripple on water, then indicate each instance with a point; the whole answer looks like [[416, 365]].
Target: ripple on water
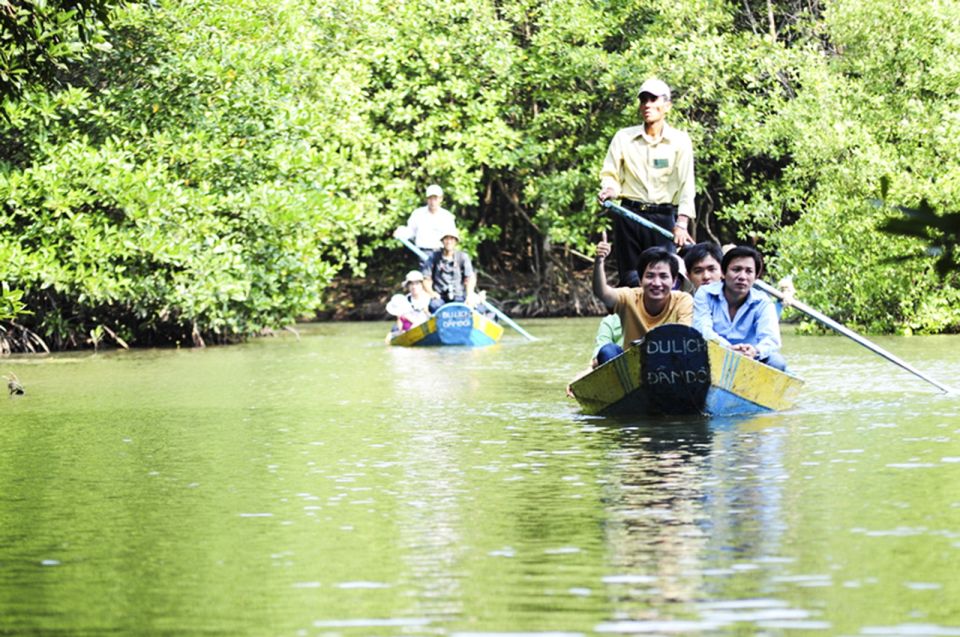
[[400, 622], [766, 613], [911, 465], [629, 579], [531, 634], [900, 531], [812, 580], [656, 626], [923, 586], [911, 630], [796, 625], [562, 550], [760, 611], [366, 585]]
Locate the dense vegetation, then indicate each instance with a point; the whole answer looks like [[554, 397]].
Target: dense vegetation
[[201, 170]]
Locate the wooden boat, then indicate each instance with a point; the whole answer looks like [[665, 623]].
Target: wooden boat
[[674, 371], [452, 324]]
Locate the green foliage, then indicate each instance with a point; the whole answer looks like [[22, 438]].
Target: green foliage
[[11, 303], [883, 104], [214, 164], [39, 38], [200, 193]]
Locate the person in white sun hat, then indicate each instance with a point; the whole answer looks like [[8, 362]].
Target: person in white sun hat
[[411, 309], [649, 167], [427, 222]]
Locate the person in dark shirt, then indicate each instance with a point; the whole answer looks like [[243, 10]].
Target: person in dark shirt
[[448, 275]]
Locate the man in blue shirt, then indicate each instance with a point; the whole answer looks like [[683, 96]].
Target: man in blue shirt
[[735, 315]]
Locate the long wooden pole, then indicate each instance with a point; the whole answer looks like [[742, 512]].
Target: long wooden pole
[[806, 309], [842, 329], [488, 303]]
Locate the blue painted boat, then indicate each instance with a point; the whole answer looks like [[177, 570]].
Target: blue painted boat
[[674, 371], [452, 324]]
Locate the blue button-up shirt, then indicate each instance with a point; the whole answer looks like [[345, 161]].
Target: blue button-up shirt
[[755, 322]]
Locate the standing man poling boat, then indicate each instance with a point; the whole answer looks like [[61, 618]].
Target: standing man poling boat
[[427, 223], [448, 275], [650, 168]]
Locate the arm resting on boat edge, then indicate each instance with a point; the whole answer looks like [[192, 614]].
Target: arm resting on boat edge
[[703, 319]]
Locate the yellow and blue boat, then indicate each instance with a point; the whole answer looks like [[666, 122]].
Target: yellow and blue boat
[[452, 324], [674, 371]]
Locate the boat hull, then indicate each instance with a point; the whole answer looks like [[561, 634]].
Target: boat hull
[[452, 324], [674, 371]]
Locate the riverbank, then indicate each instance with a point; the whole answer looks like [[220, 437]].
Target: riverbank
[[352, 298], [520, 295]]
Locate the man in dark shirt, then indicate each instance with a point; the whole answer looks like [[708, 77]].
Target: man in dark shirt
[[448, 275]]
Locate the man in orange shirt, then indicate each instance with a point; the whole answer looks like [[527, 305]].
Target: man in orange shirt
[[641, 309]]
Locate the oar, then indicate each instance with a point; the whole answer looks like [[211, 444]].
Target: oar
[[506, 319], [806, 309], [488, 303], [873, 347], [417, 251]]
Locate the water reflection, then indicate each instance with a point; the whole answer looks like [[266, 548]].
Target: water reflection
[[428, 377], [656, 519], [744, 495], [691, 505], [430, 521]]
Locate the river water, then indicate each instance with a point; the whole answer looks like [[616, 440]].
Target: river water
[[330, 485]]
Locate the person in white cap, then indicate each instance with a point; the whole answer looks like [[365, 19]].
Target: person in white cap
[[427, 222], [448, 275], [416, 293], [650, 169], [410, 309]]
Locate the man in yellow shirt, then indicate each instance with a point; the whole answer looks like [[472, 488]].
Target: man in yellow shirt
[[641, 309], [650, 169]]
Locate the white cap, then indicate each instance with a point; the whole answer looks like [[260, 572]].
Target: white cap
[[413, 276], [655, 87], [450, 231], [433, 190]]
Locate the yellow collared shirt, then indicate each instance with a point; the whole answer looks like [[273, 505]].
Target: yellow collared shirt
[[658, 171], [637, 322]]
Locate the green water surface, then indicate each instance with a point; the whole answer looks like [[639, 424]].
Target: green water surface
[[330, 485]]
